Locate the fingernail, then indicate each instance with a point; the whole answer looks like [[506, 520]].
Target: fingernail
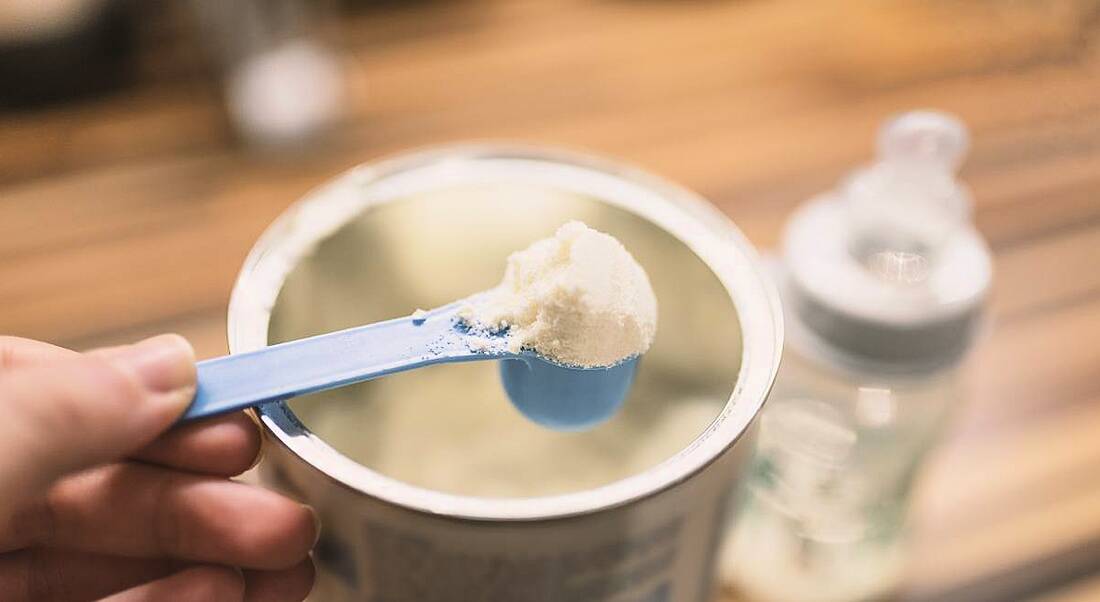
[[163, 364], [251, 413], [316, 526]]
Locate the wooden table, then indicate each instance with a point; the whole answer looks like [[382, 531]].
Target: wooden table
[[130, 215]]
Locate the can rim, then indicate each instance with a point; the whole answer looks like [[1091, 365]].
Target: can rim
[[700, 226]]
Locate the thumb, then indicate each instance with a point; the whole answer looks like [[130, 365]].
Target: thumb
[[80, 411]]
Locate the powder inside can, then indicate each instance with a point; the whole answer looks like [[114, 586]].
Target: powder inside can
[[450, 427], [578, 298]]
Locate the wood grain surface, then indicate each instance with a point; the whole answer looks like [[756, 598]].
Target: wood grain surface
[[130, 215]]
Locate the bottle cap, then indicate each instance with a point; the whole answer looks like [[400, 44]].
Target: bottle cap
[[888, 269]]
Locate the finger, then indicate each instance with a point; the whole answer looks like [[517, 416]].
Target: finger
[[82, 410], [196, 584], [288, 585], [38, 574], [225, 446], [138, 510], [16, 352]]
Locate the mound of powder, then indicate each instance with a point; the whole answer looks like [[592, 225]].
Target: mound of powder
[[578, 298]]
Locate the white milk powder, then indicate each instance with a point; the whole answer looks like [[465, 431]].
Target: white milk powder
[[578, 298]]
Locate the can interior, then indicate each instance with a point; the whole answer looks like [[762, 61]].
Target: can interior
[[450, 428]]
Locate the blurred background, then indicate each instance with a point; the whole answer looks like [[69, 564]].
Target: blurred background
[[145, 145]]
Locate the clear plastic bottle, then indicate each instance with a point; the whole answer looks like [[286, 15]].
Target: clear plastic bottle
[[883, 282]]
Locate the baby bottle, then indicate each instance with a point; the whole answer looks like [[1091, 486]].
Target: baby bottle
[[883, 282]]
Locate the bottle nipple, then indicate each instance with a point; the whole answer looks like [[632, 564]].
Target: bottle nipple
[[905, 206]]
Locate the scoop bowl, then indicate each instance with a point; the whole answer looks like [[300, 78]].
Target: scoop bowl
[[562, 397]]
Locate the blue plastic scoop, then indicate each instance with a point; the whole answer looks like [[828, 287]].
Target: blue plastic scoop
[[558, 396]]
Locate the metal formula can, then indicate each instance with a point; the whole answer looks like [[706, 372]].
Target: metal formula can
[[417, 517]]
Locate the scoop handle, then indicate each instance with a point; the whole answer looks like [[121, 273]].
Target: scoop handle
[[326, 361]]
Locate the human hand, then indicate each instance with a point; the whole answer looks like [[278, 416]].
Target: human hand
[[98, 498]]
